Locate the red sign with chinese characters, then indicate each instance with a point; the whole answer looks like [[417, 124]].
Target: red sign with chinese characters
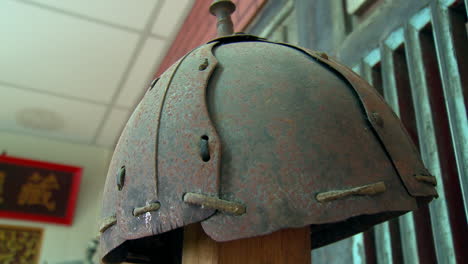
[[38, 191]]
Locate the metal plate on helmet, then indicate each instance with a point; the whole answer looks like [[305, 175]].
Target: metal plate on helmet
[[394, 137], [163, 151], [159, 151], [293, 129]]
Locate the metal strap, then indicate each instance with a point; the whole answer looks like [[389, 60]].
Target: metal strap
[[369, 189], [107, 222], [210, 202]]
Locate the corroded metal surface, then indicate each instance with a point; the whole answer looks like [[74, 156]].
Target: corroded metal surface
[[159, 149], [106, 223], [136, 145], [205, 201], [136, 148], [429, 179], [293, 131], [293, 126], [137, 211], [395, 138], [370, 189]]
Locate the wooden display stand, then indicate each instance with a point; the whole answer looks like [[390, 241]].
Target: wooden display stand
[[284, 246]]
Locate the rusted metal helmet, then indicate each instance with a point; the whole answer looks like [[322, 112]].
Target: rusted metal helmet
[[248, 137]]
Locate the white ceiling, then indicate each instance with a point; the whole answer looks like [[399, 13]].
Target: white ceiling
[[74, 70]]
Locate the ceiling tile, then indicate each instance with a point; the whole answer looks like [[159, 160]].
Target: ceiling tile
[[47, 115], [112, 128], [133, 14], [60, 54], [171, 17], [142, 72]]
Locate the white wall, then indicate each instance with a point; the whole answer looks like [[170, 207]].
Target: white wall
[[62, 243]]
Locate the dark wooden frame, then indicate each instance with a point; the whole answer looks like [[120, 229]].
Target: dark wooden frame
[[35, 229]]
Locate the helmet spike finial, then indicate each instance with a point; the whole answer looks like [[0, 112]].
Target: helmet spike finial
[[223, 9]]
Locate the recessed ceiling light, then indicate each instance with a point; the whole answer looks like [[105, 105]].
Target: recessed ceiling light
[[40, 118]]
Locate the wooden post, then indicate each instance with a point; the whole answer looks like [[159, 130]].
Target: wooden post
[[284, 246]]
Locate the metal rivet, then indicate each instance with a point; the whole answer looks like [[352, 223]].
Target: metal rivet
[[369, 189], [147, 208], [377, 119], [121, 178], [427, 179], [203, 66], [209, 202], [107, 223], [323, 55]]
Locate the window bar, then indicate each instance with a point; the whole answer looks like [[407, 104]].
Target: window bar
[[340, 252], [466, 7], [407, 227], [438, 208], [357, 249], [453, 88]]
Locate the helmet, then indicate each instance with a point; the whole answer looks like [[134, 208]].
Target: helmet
[[248, 137]]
